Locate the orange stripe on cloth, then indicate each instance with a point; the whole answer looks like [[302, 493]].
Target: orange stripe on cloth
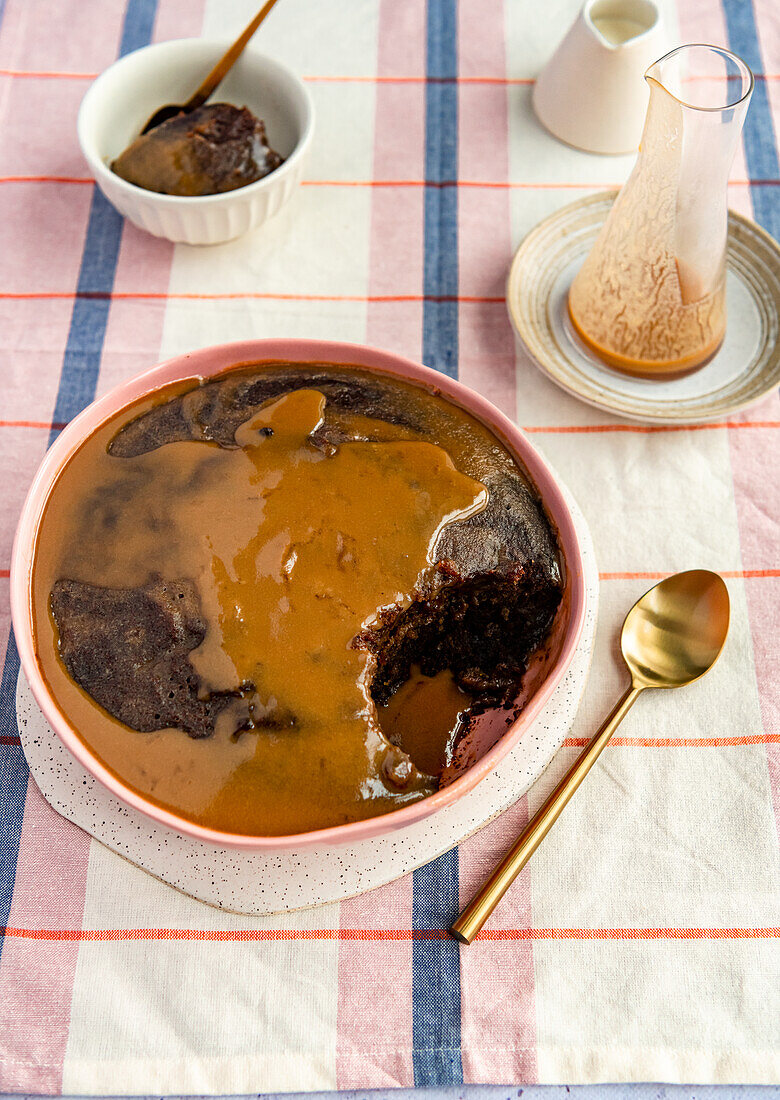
[[731, 574], [502, 185], [46, 74], [54, 74], [629, 933], [529, 429], [103, 935], [629, 742], [30, 424], [543, 185], [258, 295], [505, 185], [681, 742], [502, 80], [648, 429], [46, 179]]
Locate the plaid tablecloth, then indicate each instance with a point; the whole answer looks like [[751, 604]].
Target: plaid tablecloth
[[643, 942]]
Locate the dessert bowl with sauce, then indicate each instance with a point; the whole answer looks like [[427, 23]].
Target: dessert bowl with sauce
[[118, 104], [239, 763]]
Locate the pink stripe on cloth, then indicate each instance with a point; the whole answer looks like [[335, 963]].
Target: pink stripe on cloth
[[21, 452], [768, 27], [132, 342], [396, 259], [704, 21], [61, 37], [763, 599], [144, 263], [487, 353], [49, 891], [768, 24], [754, 455], [34, 338], [135, 326], [498, 1013], [395, 266], [179, 19], [49, 147], [757, 498], [49, 258], [486, 343], [374, 1023]]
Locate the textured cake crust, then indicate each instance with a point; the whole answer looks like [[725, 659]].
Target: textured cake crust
[[482, 627], [128, 647]]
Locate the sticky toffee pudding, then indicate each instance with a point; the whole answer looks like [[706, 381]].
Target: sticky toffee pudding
[[275, 601]]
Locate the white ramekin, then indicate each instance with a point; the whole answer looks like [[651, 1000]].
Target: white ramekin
[[122, 98]]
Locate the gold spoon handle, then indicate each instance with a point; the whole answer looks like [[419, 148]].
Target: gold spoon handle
[[219, 71], [490, 893]]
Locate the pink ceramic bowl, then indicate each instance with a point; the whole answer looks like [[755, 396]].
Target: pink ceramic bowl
[[210, 361]]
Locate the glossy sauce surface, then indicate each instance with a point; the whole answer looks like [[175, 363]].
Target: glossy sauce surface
[[293, 548], [423, 717]]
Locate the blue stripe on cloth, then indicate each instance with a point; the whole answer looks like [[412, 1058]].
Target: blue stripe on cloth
[[78, 382], [759, 135], [13, 769], [13, 784], [436, 1033], [440, 266], [436, 1054], [138, 25], [84, 348]]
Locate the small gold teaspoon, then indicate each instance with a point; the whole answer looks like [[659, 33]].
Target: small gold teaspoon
[[670, 638]]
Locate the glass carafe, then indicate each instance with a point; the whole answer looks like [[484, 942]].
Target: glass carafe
[[650, 298]]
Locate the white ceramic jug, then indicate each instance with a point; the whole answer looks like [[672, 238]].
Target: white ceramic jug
[[591, 93]]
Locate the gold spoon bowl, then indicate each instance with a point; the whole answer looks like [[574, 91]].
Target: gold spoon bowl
[[670, 637]]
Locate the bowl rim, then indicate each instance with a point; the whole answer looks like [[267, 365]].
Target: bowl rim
[[202, 364], [101, 171]]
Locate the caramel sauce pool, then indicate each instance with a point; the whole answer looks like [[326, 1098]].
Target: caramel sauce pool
[[292, 549]]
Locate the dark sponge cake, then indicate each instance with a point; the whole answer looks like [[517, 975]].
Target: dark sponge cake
[[213, 149], [128, 648], [485, 605], [480, 625], [215, 410]]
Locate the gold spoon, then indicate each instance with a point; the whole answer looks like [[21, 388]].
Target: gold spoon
[[670, 638], [215, 77]]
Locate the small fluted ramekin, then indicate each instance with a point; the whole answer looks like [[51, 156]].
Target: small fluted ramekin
[[119, 102]]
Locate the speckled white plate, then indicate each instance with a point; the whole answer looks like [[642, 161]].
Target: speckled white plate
[[746, 368], [264, 883]]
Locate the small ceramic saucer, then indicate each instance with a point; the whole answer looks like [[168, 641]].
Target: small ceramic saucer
[[746, 368]]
